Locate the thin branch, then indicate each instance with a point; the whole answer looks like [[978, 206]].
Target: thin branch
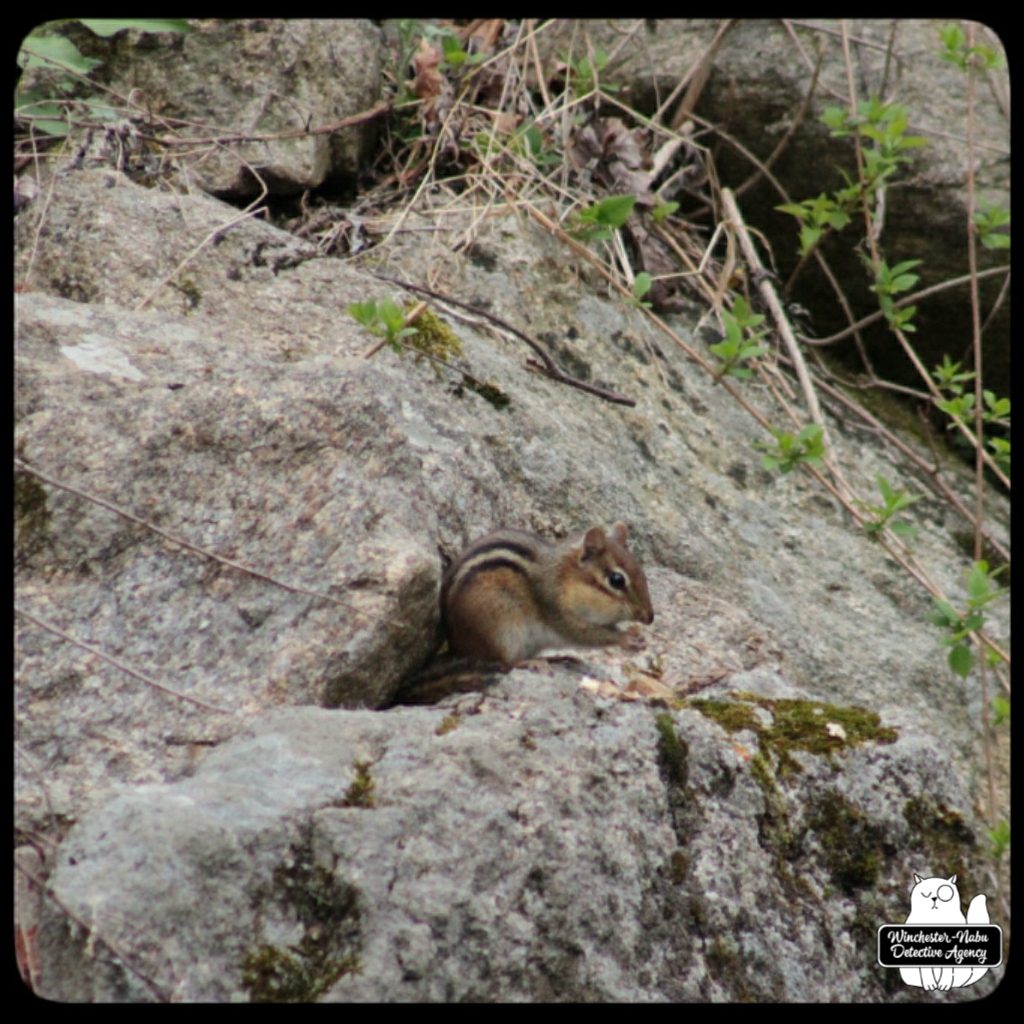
[[51, 628], [767, 290], [123, 958], [547, 365], [294, 133], [168, 536], [906, 301]]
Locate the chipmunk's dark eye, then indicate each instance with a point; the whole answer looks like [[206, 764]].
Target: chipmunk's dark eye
[[616, 581]]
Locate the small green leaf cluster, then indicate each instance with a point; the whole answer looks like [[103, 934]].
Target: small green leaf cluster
[[961, 406], [409, 31], [582, 76], [892, 502], [890, 281], [817, 216], [1000, 711], [981, 590], [454, 55], [735, 350], [999, 837], [663, 210], [956, 51], [986, 221], [789, 451], [382, 318], [528, 141], [883, 123], [596, 223]]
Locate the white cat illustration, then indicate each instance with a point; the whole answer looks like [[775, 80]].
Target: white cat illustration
[[937, 901]]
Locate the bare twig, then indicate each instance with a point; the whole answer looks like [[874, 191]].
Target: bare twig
[[547, 365], [700, 68], [51, 628], [123, 958], [295, 133], [908, 300], [767, 290], [168, 536], [790, 132]]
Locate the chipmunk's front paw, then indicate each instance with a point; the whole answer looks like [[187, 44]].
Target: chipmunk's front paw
[[633, 639]]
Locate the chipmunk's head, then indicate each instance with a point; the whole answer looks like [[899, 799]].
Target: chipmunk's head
[[608, 583]]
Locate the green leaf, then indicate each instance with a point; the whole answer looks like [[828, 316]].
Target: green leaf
[[109, 26], [615, 210], [960, 660], [948, 612], [978, 583], [47, 51], [364, 312], [659, 213]]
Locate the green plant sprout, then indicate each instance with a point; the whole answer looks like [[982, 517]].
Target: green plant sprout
[[949, 378], [663, 210], [981, 590], [596, 223], [890, 282], [382, 318], [817, 216], [582, 76], [1000, 705], [986, 221], [999, 837], [997, 409], [528, 141], [893, 502], [789, 451], [734, 350], [885, 124], [960, 407], [408, 31], [454, 55], [956, 51], [641, 286]]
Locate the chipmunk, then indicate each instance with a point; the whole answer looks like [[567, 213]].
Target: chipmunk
[[512, 594]]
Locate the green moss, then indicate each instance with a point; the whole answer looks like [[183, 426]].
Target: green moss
[[854, 846], [32, 515], [328, 913], [360, 793], [679, 864], [813, 726], [489, 391], [433, 336], [672, 752], [447, 724], [945, 838]]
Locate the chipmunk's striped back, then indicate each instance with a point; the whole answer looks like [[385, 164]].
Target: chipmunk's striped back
[[511, 594]]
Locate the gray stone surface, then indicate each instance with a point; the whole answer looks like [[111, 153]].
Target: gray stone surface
[[534, 843]]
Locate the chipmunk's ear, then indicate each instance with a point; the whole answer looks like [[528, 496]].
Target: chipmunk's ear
[[593, 542], [619, 532]]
